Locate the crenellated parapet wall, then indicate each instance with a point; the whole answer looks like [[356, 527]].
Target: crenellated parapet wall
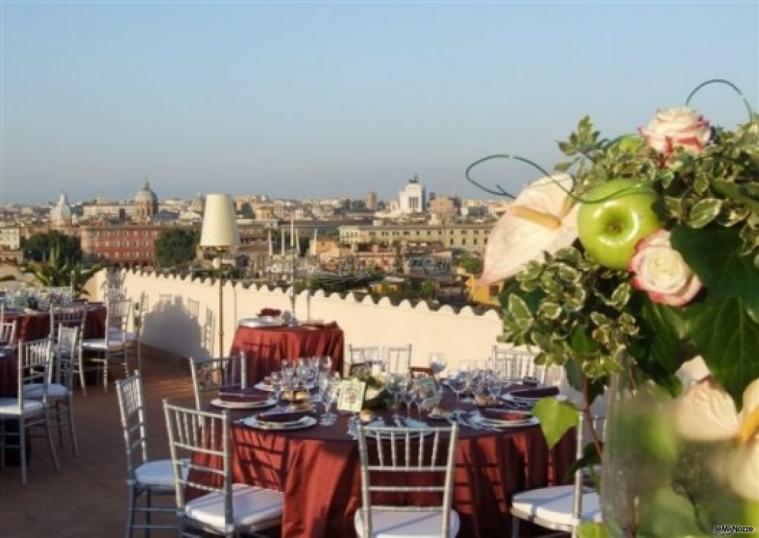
[[182, 313]]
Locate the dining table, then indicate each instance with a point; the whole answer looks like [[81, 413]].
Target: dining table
[[266, 347], [35, 324], [317, 469]]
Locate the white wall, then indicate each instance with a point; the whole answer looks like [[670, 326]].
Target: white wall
[[174, 322]]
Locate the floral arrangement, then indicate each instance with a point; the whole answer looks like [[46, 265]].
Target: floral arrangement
[[635, 256]]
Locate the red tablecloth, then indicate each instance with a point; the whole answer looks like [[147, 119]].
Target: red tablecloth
[[36, 325], [8, 373], [265, 347], [318, 471]]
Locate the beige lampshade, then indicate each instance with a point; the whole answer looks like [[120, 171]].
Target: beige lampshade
[[219, 224]]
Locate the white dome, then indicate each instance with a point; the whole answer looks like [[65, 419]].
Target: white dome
[[145, 195], [61, 212]]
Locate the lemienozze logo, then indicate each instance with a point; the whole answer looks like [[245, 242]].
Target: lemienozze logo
[[722, 530]]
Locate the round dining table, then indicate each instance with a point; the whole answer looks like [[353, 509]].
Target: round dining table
[[266, 347], [35, 324], [317, 469]]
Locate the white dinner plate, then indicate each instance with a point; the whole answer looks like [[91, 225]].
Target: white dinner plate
[[227, 404], [305, 422], [261, 321]]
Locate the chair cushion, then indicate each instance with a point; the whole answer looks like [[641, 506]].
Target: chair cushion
[[9, 406], [155, 473], [115, 334], [99, 344], [554, 504], [54, 390], [392, 524], [251, 506]]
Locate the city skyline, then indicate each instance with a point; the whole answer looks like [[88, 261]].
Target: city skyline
[[304, 100]]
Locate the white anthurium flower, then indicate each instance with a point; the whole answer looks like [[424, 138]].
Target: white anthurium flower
[[706, 413], [542, 219]]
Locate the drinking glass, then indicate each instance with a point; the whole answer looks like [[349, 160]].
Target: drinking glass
[[329, 397], [394, 386], [276, 384], [458, 383], [325, 363], [408, 395], [288, 368], [437, 363]]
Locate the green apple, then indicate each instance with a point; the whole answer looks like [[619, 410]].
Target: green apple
[[613, 217]]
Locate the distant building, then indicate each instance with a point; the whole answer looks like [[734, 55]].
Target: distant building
[[126, 244], [371, 201], [61, 214], [444, 208], [471, 237], [412, 198], [10, 238], [145, 203]]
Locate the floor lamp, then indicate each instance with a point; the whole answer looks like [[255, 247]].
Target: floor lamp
[[219, 234]]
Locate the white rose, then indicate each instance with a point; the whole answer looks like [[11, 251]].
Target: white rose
[[661, 271], [678, 127]]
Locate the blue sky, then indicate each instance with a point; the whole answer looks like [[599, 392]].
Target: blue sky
[[322, 99]]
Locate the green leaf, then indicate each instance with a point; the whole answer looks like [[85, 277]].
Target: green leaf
[[714, 254], [556, 418], [589, 529], [740, 193], [704, 211], [590, 457], [667, 513], [728, 340]]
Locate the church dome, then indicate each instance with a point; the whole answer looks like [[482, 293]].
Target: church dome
[[60, 215], [145, 195], [145, 203]]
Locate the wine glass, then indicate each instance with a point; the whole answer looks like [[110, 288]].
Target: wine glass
[[288, 369], [437, 363], [329, 397], [408, 395], [325, 363], [458, 383], [276, 384], [394, 386]]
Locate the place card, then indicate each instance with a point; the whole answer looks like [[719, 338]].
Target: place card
[[351, 396]]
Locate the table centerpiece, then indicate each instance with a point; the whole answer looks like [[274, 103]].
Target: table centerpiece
[[630, 265]]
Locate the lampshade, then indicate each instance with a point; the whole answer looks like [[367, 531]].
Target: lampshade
[[219, 224]]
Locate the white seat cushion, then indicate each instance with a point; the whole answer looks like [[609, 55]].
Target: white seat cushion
[[155, 473], [251, 506], [392, 524], [54, 390], [115, 334], [9, 406], [99, 344], [554, 504]]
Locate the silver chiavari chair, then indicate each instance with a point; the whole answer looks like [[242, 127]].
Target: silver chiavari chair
[[197, 439], [8, 332], [516, 364], [113, 346], [400, 451], [60, 384], [398, 359], [362, 357], [144, 476], [559, 508], [210, 375], [34, 360], [66, 317]]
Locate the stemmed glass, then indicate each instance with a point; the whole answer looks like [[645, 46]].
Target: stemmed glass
[[437, 363], [325, 363], [408, 395], [276, 385], [395, 385], [458, 383], [329, 397]]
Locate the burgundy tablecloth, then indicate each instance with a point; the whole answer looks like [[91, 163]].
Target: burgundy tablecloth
[[266, 347], [36, 325], [318, 471], [8, 373]]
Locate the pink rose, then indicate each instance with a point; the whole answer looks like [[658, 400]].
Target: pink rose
[[678, 127], [660, 271]]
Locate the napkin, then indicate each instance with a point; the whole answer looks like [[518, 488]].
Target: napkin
[[504, 414], [281, 417], [536, 393]]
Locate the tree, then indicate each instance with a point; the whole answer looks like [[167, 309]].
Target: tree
[[39, 246], [246, 210], [57, 271], [176, 247], [471, 265]]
